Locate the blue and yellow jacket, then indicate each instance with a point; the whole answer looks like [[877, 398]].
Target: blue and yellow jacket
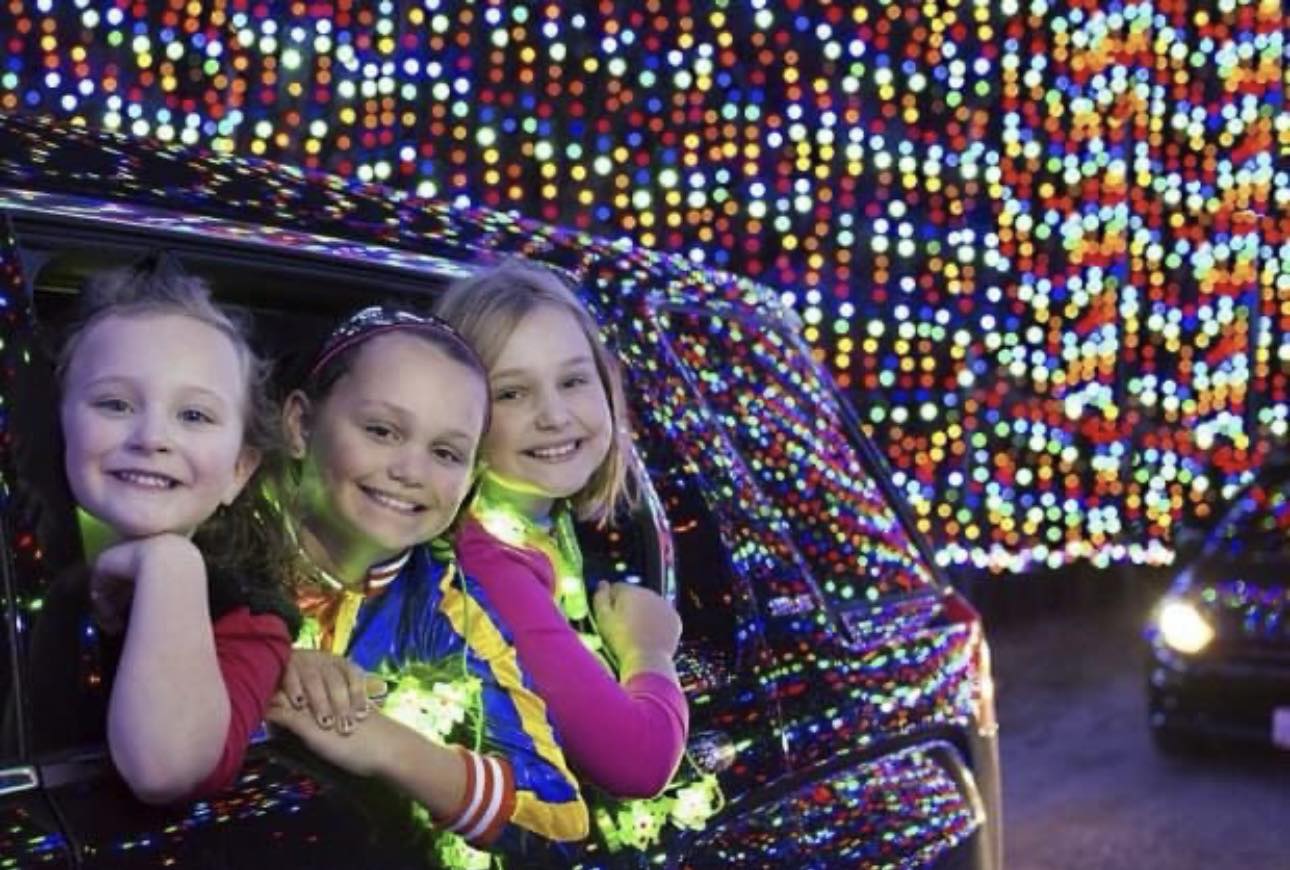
[[431, 633]]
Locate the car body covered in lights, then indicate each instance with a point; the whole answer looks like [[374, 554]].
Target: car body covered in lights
[[839, 690], [1219, 640]]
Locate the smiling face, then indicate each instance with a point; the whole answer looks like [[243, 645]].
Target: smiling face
[[153, 415], [388, 452], [551, 425]]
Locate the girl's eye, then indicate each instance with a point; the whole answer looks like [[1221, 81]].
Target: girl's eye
[[575, 381], [380, 431], [506, 394], [196, 415], [448, 454], [111, 405]]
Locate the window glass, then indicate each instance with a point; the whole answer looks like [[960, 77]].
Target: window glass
[[62, 656], [699, 575], [1258, 524], [786, 426]]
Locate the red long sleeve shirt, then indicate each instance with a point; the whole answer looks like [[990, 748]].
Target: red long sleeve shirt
[[252, 650]]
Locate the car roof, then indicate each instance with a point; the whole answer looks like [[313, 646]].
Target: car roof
[[105, 182]]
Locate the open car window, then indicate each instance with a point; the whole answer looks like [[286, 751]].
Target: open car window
[[292, 304]]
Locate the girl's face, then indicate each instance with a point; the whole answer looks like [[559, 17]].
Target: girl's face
[[389, 452], [153, 413], [551, 427]]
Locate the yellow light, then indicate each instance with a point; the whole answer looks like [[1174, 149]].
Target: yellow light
[[1182, 626]]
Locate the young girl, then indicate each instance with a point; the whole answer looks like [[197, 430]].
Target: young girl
[[557, 447], [383, 434], [165, 423]]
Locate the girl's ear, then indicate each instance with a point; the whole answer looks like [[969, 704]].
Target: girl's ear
[[248, 460], [295, 423]]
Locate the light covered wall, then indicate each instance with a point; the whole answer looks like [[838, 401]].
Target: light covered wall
[[1044, 246]]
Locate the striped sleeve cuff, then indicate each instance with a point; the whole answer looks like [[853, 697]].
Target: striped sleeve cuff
[[489, 802]]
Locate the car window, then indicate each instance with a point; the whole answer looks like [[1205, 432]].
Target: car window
[[68, 701], [1258, 523], [786, 426], [710, 597]]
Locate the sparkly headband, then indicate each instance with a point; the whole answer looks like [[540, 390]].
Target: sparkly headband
[[379, 319]]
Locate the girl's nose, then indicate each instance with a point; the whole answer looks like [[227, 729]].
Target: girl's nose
[[551, 412], [151, 433], [410, 468]]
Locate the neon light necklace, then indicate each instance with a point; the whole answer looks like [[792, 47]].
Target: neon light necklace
[[504, 520], [693, 796]]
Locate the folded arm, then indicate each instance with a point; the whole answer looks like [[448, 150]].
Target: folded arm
[[169, 711]]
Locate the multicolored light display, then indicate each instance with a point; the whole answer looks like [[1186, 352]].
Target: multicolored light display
[[813, 626], [1044, 245]]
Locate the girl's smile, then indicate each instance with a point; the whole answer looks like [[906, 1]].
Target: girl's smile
[[145, 479], [556, 453], [155, 448], [551, 425], [394, 503]]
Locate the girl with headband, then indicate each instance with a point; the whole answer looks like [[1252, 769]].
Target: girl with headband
[[382, 437]]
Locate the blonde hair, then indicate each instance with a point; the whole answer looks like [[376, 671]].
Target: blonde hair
[[488, 306]]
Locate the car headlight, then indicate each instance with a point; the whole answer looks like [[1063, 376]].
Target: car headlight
[[1183, 627]]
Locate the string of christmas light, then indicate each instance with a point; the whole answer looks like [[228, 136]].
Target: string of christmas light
[[1043, 244]]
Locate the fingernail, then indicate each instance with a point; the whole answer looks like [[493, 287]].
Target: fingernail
[[324, 721], [363, 711], [299, 701], [346, 725]]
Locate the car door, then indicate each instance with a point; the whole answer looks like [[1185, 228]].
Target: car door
[[30, 833], [858, 659], [723, 662]]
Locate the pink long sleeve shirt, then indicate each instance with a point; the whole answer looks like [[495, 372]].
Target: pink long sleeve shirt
[[626, 739]]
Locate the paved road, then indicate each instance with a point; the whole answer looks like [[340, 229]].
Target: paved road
[[1083, 786]]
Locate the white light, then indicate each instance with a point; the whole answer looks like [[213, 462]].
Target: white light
[[1182, 627]]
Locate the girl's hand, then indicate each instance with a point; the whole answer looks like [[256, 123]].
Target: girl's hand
[[359, 753], [331, 688], [641, 629], [113, 574]]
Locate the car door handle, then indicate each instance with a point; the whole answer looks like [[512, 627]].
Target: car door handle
[[16, 779]]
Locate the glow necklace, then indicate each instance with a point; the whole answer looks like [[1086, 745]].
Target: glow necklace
[[693, 796], [502, 519]]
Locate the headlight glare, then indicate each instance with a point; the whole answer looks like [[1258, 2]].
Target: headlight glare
[[1182, 626]]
